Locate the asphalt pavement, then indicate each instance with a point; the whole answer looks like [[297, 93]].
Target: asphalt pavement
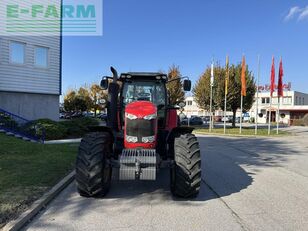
[[248, 184]]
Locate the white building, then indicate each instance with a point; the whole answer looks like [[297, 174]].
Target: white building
[[192, 109], [293, 105], [30, 74]]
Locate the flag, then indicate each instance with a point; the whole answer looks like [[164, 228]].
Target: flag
[[272, 88], [243, 77], [227, 75], [212, 74], [280, 88]]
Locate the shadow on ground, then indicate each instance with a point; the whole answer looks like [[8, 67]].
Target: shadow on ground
[[228, 166], [224, 160]]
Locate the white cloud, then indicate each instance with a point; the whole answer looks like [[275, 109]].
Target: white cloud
[[304, 14], [293, 12]]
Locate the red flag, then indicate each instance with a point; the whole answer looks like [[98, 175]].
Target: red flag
[[273, 77], [243, 77], [280, 88]]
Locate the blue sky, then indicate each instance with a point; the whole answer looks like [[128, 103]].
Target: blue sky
[[151, 35]]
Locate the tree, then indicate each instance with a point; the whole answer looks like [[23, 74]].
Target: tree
[[69, 100], [175, 88], [201, 90], [97, 95], [234, 91], [74, 102], [84, 93]]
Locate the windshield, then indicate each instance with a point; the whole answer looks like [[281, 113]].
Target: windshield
[[149, 91]]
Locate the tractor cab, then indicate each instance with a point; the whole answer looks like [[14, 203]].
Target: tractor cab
[[139, 86]]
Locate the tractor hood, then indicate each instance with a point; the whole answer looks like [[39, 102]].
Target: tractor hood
[[140, 129]]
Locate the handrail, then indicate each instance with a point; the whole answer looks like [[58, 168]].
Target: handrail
[[18, 125], [12, 114]]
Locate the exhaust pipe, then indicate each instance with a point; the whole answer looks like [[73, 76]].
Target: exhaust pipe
[[115, 74], [113, 92]]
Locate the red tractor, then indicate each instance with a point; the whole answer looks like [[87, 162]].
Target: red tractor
[[141, 136]]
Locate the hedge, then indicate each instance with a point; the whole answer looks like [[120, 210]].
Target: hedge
[[74, 128]]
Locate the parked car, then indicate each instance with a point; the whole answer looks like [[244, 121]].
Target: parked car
[[102, 116], [76, 114], [227, 119], [195, 120], [88, 114], [184, 121], [217, 118], [205, 119]]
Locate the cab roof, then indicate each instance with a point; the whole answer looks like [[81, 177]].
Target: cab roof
[[144, 76]]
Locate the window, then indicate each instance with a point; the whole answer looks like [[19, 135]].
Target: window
[[296, 100], [17, 51], [41, 56], [189, 102], [287, 100], [265, 100]]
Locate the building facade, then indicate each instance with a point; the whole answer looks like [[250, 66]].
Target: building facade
[[30, 75], [293, 105], [192, 109]]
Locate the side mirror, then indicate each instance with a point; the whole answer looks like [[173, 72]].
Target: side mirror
[[187, 85], [104, 83]]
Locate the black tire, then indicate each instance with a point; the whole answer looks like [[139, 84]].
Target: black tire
[[186, 173], [93, 169]]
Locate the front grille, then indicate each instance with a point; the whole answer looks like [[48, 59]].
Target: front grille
[[140, 128]]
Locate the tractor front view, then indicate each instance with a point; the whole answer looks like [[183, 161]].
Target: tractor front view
[[142, 135]]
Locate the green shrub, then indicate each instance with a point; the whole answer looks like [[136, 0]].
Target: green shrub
[[53, 130], [305, 120], [79, 127], [7, 121], [298, 122]]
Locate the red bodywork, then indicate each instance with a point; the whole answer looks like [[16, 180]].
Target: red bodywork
[[172, 119], [140, 109]]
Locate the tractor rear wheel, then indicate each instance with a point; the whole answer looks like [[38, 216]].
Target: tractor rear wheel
[[186, 173], [93, 169]]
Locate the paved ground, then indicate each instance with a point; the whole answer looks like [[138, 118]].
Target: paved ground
[[248, 184]]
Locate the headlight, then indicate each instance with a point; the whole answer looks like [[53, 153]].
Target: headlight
[[148, 139], [131, 116], [150, 117], [131, 139]]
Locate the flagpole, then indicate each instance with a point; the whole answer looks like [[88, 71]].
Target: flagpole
[[211, 114], [279, 92], [278, 113], [211, 97], [241, 117], [226, 92], [269, 117], [225, 113], [243, 90], [257, 103]]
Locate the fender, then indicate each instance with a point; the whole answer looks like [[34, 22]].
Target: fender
[[178, 131]]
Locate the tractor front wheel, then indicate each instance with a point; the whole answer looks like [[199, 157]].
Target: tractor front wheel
[[186, 173], [93, 169]]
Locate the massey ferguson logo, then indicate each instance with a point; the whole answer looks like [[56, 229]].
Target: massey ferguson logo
[[268, 87]]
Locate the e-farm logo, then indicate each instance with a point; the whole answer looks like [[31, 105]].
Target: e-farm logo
[[51, 17]]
